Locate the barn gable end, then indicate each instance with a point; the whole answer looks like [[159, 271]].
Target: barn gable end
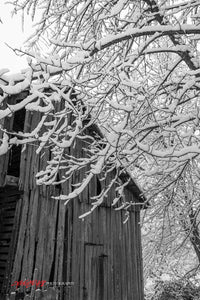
[[100, 256]]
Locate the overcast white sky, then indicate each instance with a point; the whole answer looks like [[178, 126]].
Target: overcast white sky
[[11, 33]]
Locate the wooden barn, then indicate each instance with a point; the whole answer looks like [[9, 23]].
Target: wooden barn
[[98, 258]]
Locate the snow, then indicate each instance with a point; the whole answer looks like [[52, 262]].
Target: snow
[[140, 113], [77, 191], [119, 106], [34, 106], [117, 7], [5, 144], [12, 108], [81, 57], [88, 212], [146, 30], [17, 88], [3, 71], [183, 154], [128, 82], [35, 131]]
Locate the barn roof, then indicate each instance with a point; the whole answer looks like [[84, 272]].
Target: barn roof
[[94, 130]]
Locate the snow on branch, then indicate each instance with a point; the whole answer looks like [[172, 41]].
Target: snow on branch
[[4, 144], [130, 69]]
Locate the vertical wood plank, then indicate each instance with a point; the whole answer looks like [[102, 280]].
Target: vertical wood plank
[[22, 235]]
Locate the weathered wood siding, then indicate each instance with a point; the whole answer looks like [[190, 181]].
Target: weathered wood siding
[[100, 255], [10, 205]]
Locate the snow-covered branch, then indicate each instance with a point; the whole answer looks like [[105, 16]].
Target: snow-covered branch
[[130, 68]]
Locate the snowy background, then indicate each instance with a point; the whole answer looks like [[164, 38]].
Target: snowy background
[[13, 33]]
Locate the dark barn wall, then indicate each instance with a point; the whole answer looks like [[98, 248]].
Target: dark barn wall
[[10, 204], [100, 254]]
